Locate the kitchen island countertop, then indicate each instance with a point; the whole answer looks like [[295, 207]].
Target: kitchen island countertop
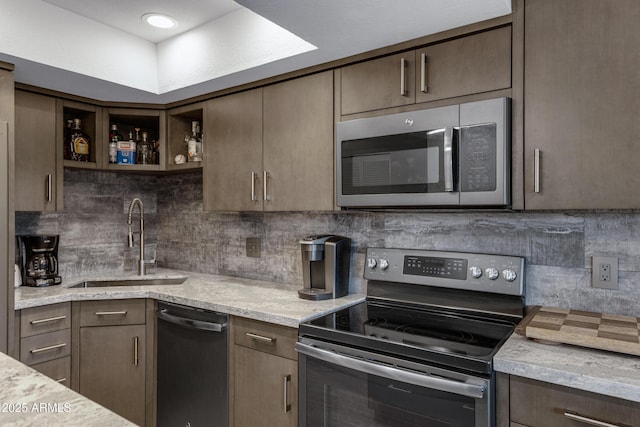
[[255, 299], [597, 371], [28, 398]]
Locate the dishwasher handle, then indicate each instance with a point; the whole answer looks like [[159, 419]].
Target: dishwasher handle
[[199, 325]]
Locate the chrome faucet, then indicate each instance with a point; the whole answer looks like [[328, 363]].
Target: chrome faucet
[[142, 264]]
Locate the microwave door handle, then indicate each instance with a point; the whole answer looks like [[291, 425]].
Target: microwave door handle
[[448, 159]]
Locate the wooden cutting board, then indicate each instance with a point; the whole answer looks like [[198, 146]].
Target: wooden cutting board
[[583, 328]]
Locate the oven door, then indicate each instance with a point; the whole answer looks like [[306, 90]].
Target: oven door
[[405, 159], [342, 386]]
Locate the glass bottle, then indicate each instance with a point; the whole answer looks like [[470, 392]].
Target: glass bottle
[[144, 150], [194, 145], [79, 143], [114, 137], [67, 145]]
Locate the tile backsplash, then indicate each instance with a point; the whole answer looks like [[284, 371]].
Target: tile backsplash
[[557, 245]]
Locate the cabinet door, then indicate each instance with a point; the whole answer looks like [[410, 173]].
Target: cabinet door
[[581, 104], [266, 389], [112, 368], [539, 404], [35, 170], [379, 83], [298, 144], [472, 64], [232, 177]]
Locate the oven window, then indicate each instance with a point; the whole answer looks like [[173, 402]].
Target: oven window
[[337, 396], [404, 163]]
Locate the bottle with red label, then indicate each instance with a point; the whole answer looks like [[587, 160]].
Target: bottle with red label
[[78, 143]]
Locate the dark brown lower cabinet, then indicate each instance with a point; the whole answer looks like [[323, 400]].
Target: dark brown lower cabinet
[[264, 374], [112, 371], [539, 404], [113, 356]]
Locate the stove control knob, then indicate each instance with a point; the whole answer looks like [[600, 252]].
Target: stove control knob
[[372, 263], [509, 275], [492, 273], [384, 264], [476, 272]]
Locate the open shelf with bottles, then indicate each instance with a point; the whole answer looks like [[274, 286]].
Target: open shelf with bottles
[[128, 120], [179, 125], [90, 122]]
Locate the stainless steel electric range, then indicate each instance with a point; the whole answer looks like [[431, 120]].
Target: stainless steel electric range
[[419, 351]]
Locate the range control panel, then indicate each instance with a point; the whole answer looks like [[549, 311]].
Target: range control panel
[[457, 270]]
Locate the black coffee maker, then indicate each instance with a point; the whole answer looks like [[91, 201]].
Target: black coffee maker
[[37, 256], [325, 267]]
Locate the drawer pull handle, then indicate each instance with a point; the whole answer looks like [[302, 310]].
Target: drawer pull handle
[[111, 313], [49, 319], [61, 380], [590, 421], [287, 405], [49, 348], [260, 338]]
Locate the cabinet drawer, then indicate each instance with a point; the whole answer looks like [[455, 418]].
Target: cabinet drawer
[[48, 318], [44, 347], [539, 404], [57, 369], [266, 337], [112, 312]]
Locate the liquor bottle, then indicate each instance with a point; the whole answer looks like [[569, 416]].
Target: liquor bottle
[[145, 150], [67, 146], [114, 137], [127, 151], [194, 145], [79, 143], [156, 152]]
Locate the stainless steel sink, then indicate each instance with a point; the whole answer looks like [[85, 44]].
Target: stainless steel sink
[[131, 282]]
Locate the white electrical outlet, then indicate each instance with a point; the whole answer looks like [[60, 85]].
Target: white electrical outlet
[[604, 272]]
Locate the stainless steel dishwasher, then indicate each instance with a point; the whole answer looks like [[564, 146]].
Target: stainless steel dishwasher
[[192, 367]]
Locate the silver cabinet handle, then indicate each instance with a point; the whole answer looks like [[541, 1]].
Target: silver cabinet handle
[[403, 77], [287, 405], [424, 87], [111, 313], [590, 421], [448, 159], [536, 170], [49, 189], [265, 178], [135, 351], [48, 319], [61, 380], [49, 348], [260, 338], [253, 186]]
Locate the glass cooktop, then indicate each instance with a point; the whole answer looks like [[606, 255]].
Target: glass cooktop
[[436, 334]]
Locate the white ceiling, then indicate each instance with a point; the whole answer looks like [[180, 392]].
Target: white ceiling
[[101, 49], [126, 15]]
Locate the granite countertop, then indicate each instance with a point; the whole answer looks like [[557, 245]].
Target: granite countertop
[[28, 398], [255, 299], [597, 371]]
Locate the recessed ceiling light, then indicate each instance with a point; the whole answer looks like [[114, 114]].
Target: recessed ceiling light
[[159, 20]]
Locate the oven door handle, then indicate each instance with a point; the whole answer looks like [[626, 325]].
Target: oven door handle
[[368, 367]]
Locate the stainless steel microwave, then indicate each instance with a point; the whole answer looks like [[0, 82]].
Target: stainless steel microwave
[[458, 155]]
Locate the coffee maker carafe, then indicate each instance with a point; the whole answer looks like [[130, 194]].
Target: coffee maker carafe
[[38, 258], [325, 267]]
